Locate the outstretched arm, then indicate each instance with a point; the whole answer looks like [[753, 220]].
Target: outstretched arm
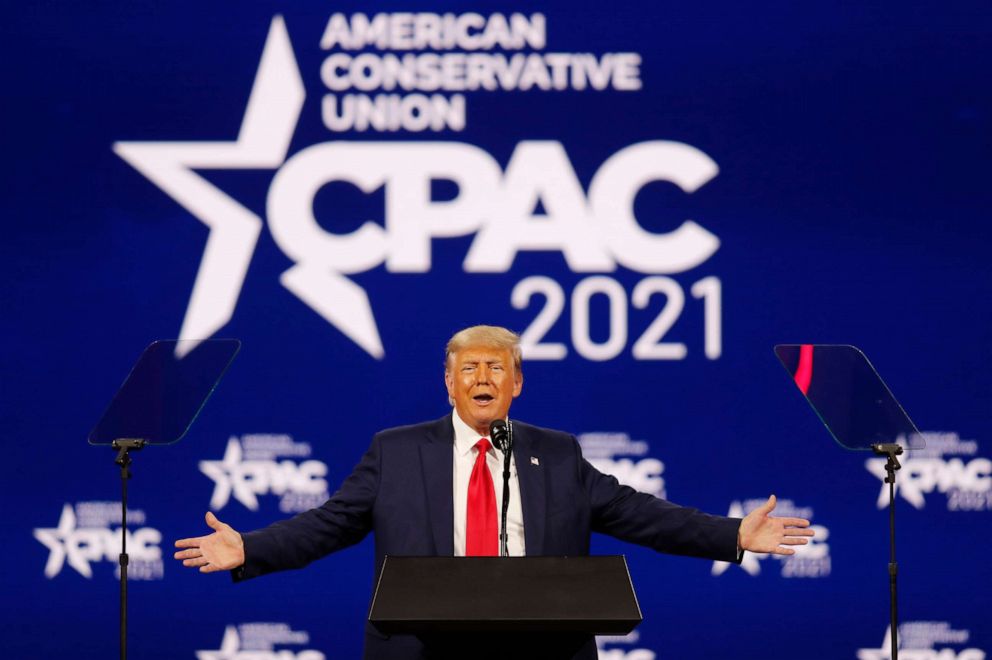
[[761, 532], [341, 521], [220, 551]]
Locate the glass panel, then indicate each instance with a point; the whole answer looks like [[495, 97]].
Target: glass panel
[[850, 397], [165, 391]]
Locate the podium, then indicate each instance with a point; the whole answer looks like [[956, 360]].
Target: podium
[[488, 607]]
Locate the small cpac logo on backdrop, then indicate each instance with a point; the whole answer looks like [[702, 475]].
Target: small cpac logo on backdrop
[[643, 473], [966, 481], [257, 641], [810, 561], [618, 652], [250, 469], [919, 640], [84, 535], [595, 231]]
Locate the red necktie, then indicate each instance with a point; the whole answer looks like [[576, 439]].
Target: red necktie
[[481, 535]]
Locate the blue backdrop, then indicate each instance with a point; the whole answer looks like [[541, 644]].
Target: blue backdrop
[[654, 194]]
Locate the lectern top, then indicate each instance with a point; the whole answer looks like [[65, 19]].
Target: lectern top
[[578, 595]]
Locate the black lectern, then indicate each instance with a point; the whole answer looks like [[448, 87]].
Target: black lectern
[[539, 607]]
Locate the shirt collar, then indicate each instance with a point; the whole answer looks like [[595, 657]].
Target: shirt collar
[[465, 435]]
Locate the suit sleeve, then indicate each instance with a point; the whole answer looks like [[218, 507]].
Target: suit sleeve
[[644, 519], [342, 521]]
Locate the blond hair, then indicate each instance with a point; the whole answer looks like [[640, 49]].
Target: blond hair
[[489, 336]]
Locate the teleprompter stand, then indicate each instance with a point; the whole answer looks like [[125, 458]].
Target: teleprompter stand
[[544, 608], [861, 413], [162, 395], [124, 449], [890, 451]]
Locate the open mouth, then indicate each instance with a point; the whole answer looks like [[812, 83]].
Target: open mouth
[[482, 399]]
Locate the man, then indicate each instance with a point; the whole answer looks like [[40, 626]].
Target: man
[[425, 490]]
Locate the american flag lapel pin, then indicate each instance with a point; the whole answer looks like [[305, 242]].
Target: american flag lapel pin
[[534, 461]]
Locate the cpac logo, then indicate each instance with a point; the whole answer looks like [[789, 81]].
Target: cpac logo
[[643, 475], [810, 561], [79, 546], [301, 485], [595, 232], [601, 450], [230, 649], [917, 640], [621, 653], [967, 482]]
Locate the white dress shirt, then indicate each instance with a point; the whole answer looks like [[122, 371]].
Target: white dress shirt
[[464, 458]]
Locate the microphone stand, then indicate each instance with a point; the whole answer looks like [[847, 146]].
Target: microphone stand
[[891, 451], [504, 550]]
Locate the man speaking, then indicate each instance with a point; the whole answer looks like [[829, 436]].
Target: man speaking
[[429, 490]]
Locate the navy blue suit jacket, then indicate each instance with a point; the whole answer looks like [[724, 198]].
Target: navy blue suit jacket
[[402, 490]]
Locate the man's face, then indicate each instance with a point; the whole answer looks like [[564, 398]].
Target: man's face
[[483, 382]]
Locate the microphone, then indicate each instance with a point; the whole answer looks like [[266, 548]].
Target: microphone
[[500, 434], [502, 437]]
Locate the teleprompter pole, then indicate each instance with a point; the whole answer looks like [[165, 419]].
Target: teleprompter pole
[[123, 447], [890, 451]]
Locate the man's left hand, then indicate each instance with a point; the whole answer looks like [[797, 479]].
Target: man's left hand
[[760, 532]]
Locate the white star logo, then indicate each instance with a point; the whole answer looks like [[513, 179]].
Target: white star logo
[[884, 652], [228, 476], [263, 142], [56, 540], [229, 647], [905, 484]]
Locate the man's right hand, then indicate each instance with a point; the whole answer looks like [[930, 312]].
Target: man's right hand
[[220, 551]]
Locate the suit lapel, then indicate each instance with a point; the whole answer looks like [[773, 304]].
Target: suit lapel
[[437, 458], [530, 474]]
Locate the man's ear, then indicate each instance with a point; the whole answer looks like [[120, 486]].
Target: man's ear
[[518, 383], [448, 382]]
